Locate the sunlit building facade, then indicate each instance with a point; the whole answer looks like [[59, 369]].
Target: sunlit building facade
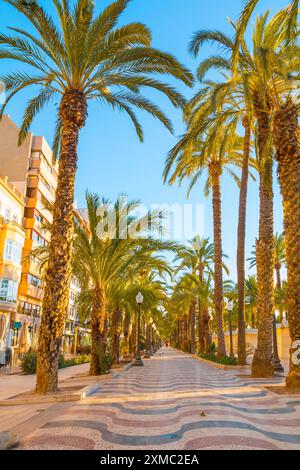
[[32, 171], [12, 239]]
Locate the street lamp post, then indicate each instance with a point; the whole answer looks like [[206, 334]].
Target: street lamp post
[[275, 360], [230, 309], [138, 360]]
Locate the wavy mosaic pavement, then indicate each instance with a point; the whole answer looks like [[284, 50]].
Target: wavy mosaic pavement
[[176, 402]]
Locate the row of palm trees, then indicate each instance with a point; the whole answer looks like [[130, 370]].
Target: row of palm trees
[[113, 267], [116, 254], [79, 56], [190, 306], [256, 91]]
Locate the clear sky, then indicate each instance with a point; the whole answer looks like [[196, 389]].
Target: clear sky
[[111, 159]]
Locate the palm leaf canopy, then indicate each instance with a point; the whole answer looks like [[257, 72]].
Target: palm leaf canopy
[[289, 23], [111, 262], [87, 52]]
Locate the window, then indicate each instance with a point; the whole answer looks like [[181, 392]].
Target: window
[[37, 238], [34, 281], [38, 217], [13, 251], [72, 312], [31, 309], [8, 291]]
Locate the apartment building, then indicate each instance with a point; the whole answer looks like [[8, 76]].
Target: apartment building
[[12, 238], [30, 168]]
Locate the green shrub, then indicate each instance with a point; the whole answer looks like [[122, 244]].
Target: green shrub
[[105, 361], [226, 361], [29, 362]]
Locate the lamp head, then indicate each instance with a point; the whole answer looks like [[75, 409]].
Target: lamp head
[[139, 298]]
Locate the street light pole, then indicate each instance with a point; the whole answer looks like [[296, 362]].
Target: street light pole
[[138, 360], [276, 361]]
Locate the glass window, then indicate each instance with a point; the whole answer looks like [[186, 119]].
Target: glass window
[[34, 281], [8, 291], [13, 251], [38, 217], [37, 238]]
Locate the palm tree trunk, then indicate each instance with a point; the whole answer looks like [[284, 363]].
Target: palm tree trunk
[[265, 259], [206, 330], [116, 331], [278, 276], [215, 172], [126, 327], [286, 136], [192, 327], [73, 111], [278, 285], [253, 319], [148, 339], [98, 333], [201, 337], [134, 338], [241, 244]]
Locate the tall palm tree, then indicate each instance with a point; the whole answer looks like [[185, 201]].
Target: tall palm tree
[[291, 18], [198, 260], [286, 140], [251, 300], [80, 57], [215, 150], [105, 260], [232, 96], [123, 301], [280, 256]]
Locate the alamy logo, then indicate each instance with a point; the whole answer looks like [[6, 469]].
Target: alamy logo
[[296, 353], [175, 222]]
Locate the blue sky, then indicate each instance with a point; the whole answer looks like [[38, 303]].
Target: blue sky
[[111, 159]]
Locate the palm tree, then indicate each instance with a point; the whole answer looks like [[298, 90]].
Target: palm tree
[[280, 256], [198, 260], [233, 97], [217, 149], [106, 262], [286, 140], [84, 57], [290, 14], [251, 300], [123, 295]]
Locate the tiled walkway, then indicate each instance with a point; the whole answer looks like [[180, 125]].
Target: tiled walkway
[[176, 402]]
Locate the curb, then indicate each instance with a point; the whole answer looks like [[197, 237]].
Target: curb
[[7, 440], [85, 392], [220, 366]]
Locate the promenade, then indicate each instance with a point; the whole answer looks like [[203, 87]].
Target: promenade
[[175, 402]]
